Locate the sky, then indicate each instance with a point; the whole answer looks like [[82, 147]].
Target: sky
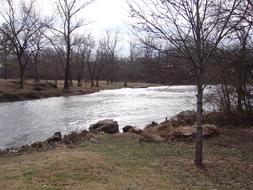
[[103, 15]]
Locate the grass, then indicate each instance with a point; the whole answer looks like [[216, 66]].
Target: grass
[[120, 162]]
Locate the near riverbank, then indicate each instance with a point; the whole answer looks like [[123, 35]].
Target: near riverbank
[[97, 160], [121, 162], [10, 92]]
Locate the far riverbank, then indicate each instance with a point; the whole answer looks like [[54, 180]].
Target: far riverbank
[[10, 92]]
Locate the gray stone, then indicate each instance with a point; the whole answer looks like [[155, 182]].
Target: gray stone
[[107, 126]]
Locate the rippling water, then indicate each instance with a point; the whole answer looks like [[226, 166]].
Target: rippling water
[[29, 121]]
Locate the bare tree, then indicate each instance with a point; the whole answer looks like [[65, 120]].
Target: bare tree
[[250, 2], [5, 51], [68, 11], [21, 27], [110, 42], [83, 46], [194, 28], [100, 60], [36, 49]]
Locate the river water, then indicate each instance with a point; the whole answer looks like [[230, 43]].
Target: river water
[[29, 121]]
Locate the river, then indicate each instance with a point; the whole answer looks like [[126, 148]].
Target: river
[[29, 121]]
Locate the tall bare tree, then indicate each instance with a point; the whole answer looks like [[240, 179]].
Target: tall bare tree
[[69, 24], [194, 28], [83, 46], [5, 51], [21, 25], [36, 53], [110, 43]]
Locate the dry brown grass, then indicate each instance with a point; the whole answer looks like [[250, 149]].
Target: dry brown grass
[[120, 162]]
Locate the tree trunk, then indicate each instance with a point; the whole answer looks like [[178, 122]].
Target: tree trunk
[[36, 78], [239, 89], [97, 81], [67, 70], [199, 137], [239, 100], [22, 79], [92, 82], [66, 78], [79, 81], [5, 65]]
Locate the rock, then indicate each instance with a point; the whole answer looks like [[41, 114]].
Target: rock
[[131, 129], [154, 123], [51, 84], [24, 148], [152, 138], [55, 138], [191, 131], [84, 133], [127, 128], [183, 118], [74, 138], [186, 114], [210, 130], [151, 126], [184, 132], [107, 126], [40, 87], [37, 145]]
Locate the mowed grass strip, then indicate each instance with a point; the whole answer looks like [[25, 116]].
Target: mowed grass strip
[[120, 162]]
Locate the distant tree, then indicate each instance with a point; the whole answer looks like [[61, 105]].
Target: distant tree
[[36, 54], [110, 43], [21, 26], [68, 11], [195, 29], [100, 60], [83, 47], [5, 51]]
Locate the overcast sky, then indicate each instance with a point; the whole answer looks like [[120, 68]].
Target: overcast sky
[[103, 14]]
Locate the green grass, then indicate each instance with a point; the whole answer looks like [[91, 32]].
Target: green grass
[[122, 163]]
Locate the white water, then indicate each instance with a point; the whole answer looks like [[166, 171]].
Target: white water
[[29, 121]]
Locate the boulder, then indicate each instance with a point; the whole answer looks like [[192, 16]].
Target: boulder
[[40, 86], [151, 126], [57, 137], [24, 148], [210, 130], [152, 138], [183, 118], [107, 126], [74, 137], [51, 84], [37, 145], [131, 129], [191, 131]]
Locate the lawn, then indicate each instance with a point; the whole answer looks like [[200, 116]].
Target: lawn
[[121, 162]]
